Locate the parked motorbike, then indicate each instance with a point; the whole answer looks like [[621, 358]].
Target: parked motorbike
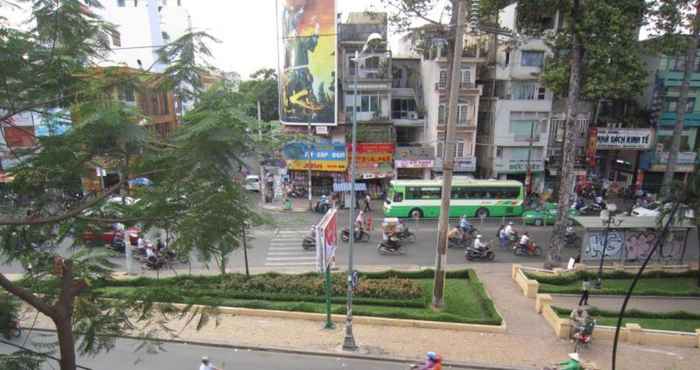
[[472, 253], [297, 192], [391, 247], [360, 236], [154, 263], [571, 240], [531, 249], [405, 234]]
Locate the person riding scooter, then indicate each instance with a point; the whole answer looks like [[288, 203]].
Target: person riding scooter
[[479, 245], [524, 242], [465, 226], [510, 231], [391, 241], [432, 362]]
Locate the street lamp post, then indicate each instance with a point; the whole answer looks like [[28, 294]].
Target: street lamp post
[[349, 341], [607, 217]]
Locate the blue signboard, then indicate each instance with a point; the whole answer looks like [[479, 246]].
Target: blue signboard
[[56, 122], [319, 152]]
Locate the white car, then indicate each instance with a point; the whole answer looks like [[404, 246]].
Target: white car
[[653, 209], [252, 183]]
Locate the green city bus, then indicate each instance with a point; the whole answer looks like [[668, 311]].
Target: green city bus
[[474, 198]]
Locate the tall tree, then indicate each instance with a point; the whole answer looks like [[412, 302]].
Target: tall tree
[[262, 88], [50, 66], [671, 20], [595, 36]]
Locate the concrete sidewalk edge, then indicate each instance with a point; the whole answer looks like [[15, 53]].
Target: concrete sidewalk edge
[[618, 296], [353, 356]]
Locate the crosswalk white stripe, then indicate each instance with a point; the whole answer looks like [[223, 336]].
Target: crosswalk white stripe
[[291, 264], [292, 231], [275, 248], [288, 253], [281, 244], [289, 258], [286, 239]]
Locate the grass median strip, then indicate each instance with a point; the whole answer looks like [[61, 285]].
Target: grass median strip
[[651, 284], [674, 321], [388, 294]]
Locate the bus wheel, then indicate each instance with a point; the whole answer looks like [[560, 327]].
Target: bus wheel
[[416, 213], [482, 212]]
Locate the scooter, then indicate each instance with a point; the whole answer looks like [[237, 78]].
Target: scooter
[[405, 234], [462, 242], [322, 206], [361, 236], [571, 240], [583, 336], [532, 249], [479, 254], [391, 247]]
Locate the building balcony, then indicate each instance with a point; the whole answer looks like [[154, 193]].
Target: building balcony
[[407, 119], [509, 165], [467, 88], [465, 125]]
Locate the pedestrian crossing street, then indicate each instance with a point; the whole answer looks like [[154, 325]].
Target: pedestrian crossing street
[[285, 249]]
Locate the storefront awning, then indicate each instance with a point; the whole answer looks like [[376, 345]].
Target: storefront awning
[[341, 187]]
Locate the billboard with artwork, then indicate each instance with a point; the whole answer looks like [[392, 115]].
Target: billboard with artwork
[[308, 63]]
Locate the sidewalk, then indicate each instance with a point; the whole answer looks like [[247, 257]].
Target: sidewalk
[[528, 343]]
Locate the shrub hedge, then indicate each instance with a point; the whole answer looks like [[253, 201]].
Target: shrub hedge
[[676, 315], [569, 278]]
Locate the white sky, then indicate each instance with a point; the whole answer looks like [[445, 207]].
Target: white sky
[[246, 29]]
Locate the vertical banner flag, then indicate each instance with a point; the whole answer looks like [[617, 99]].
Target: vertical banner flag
[[592, 147], [308, 73], [326, 240]]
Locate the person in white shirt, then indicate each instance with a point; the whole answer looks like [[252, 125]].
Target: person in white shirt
[[524, 240], [207, 365], [510, 232], [478, 244]]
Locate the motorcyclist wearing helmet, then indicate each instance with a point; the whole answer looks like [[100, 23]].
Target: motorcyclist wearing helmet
[[479, 245], [465, 226], [510, 231], [432, 362]]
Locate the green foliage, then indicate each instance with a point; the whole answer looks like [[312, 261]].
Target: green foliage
[[613, 67], [186, 63], [262, 87], [9, 312], [675, 321], [21, 360]]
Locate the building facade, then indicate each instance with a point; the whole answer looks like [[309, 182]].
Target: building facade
[[661, 98]]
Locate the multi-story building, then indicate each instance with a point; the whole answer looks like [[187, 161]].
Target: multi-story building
[[435, 89], [661, 98], [515, 108]]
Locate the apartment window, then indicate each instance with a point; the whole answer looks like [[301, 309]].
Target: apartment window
[[372, 63], [519, 153], [369, 103], [121, 3], [523, 129], [667, 140], [403, 109], [466, 76], [126, 93], [671, 105], [499, 152], [462, 114], [532, 58], [541, 93], [525, 90], [439, 150], [460, 149], [442, 82], [116, 38], [442, 114], [352, 66]]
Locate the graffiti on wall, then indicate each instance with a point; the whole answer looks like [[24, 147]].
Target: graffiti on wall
[[673, 249], [596, 242], [638, 244]]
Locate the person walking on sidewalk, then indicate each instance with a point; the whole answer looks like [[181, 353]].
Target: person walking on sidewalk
[[585, 287], [368, 201], [207, 365]]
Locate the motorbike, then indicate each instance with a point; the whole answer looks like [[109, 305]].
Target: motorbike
[[583, 336], [405, 234], [592, 208], [391, 247], [479, 254], [532, 249], [571, 239], [360, 235], [309, 241], [297, 192], [462, 242], [322, 206]]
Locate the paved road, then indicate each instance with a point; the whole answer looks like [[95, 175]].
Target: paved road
[[174, 356]]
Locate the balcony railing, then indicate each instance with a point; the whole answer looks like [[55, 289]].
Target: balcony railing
[[462, 85]]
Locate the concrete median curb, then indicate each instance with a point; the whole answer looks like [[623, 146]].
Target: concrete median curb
[[368, 320], [346, 355]]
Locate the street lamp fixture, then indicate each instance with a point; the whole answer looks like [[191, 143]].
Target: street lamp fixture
[[373, 40], [607, 218]]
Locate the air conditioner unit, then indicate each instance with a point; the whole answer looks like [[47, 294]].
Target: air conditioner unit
[[412, 115]]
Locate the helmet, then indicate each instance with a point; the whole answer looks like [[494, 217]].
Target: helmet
[[510, 222], [478, 236], [205, 359], [432, 356]]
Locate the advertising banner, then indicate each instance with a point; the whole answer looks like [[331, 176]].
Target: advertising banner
[[592, 146], [308, 80], [323, 157], [374, 160], [615, 138], [326, 240]]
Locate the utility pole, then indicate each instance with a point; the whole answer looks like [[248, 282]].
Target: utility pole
[[529, 159], [308, 163], [245, 250], [448, 161]]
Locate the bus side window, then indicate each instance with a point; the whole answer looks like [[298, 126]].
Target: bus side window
[[398, 197]]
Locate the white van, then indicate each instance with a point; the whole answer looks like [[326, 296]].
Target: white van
[[252, 183]]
